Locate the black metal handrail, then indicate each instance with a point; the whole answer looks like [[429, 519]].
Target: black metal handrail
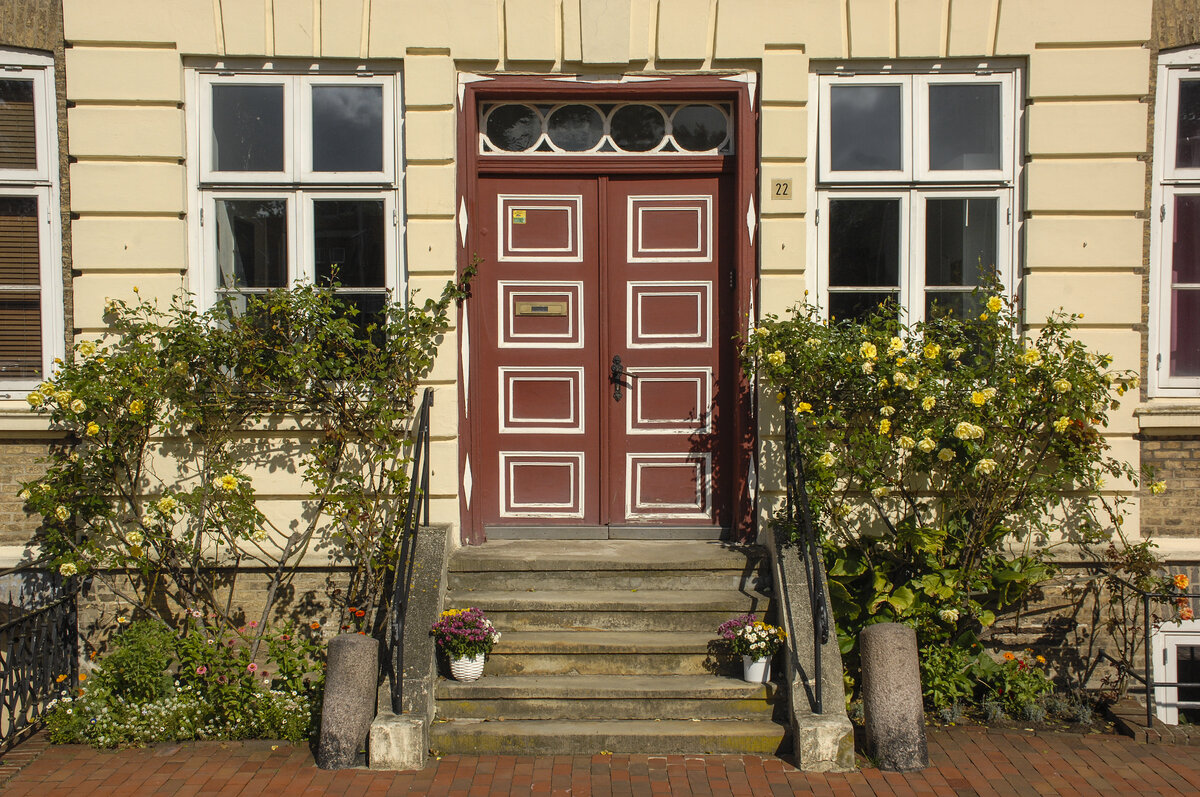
[[37, 647], [418, 492], [1148, 682], [799, 516]]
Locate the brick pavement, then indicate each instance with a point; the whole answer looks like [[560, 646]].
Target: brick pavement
[[966, 761]]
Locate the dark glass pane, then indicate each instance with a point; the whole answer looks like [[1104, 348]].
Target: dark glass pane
[[20, 335], [964, 126], [349, 242], [1187, 147], [18, 129], [638, 128], [575, 128], [247, 128], [365, 309], [1187, 671], [1185, 241], [865, 128], [857, 306], [514, 128], [252, 243], [960, 241], [864, 242], [958, 304], [1185, 332], [347, 128], [699, 128]]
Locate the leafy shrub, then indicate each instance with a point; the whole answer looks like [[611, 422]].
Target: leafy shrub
[[949, 675], [205, 687], [1018, 684]]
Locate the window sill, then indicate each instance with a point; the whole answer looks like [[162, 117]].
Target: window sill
[[17, 420], [1168, 418]]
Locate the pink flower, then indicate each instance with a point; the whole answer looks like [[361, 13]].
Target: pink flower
[[201, 670], [251, 667], [254, 623], [196, 613]]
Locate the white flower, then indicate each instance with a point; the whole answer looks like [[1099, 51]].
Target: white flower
[[134, 537], [868, 367], [900, 378], [906, 443], [1061, 385], [61, 512], [776, 358], [827, 459], [949, 615], [67, 569], [946, 454], [887, 411]]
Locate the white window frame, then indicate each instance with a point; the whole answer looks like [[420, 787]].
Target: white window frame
[[1169, 182], [298, 184], [41, 184], [827, 174], [919, 183], [912, 282], [1167, 637]]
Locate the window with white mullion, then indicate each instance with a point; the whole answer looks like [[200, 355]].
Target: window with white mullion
[[964, 129], [246, 131], [352, 245], [864, 242], [349, 121], [865, 128], [961, 243], [250, 242], [1179, 287]]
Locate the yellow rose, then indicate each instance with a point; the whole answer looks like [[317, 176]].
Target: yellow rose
[[932, 350], [93, 429], [78, 406], [227, 483], [1062, 423], [868, 350], [885, 426], [35, 400], [1158, 488], [827, 459], [905, 443], [994, 304], [985, 466], [928, 403], [881, 492], [803, 407], [87, 348], [166, 504], [813, 343], [67, 569], [1061, 385], [61, 512], [776, 358], [978, 399], [895, 346], [946, 454], [887, 411], [136, 407], [927, 444]]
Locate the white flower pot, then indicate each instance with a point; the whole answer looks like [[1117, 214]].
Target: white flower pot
[[756, 671], [467, 668]]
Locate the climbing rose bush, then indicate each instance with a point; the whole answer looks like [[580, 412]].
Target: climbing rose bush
[[945, 459]]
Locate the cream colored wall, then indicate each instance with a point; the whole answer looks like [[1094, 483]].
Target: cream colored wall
[[1084, 128]]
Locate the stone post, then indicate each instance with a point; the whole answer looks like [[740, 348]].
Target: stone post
[[351, 676], [892, 704]]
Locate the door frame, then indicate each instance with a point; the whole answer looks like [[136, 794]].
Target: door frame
[[738, 88]]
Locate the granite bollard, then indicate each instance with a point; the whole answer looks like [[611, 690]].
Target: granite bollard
[[892, 705], [351, 677]]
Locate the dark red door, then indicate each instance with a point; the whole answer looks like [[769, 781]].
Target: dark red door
[[574, 273]]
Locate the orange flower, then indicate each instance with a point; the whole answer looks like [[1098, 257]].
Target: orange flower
[[1181, 581], [1041, 659], [60, 679], [314, 625], [360, 613], [1186, 613], [83, 676], [1008, 656]]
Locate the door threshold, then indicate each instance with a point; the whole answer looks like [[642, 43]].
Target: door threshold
[[605, 532]]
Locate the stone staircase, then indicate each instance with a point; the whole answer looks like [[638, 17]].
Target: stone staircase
[[606, 647]]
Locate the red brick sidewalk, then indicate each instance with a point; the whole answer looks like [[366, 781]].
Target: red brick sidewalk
[[966, 761]]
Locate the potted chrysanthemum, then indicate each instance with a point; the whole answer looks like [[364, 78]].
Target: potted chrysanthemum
[[466, 636], [756, 642]]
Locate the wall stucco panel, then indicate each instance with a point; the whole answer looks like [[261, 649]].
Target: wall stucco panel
[[123, 74], [129, 242], [244, 26], [1109, 72], [1084, 242], [125, 132], [921, 27], [127, 187], [530, 30], [682, 30], [1073, 185], [98, 287], [972, 26], [872, 28], [1085, 128], [1103, 297]]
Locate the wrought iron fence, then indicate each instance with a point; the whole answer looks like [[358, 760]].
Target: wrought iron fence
[[39, 646], [415, 513], [799, 516], [1147, 681]]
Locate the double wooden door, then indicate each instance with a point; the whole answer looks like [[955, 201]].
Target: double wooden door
[[603, 353]]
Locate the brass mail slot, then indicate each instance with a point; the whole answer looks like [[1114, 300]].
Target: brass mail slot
[[542, 308]]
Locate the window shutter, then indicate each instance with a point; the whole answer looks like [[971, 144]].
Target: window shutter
[[18, 137], [20, 310]]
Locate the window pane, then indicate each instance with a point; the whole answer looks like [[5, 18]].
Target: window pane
[[858, 305], [18, 137], [964, 126], [349, 242], [20, 335], [1185, 332], [347, 128], [1185, 241], [960, 241], [514, 128], [20, 254], [1187, 671], [638, 128], [699, 128], [864, 242], [1187, 147], [247, 128], [865, 128], [575, 128], [252, 243], [958, 304]]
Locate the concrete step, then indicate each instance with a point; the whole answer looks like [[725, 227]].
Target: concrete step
[[576, 737], [646, 697], [608, 652], [598, 555], [629, 579], [584, 609], [605, 532]]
